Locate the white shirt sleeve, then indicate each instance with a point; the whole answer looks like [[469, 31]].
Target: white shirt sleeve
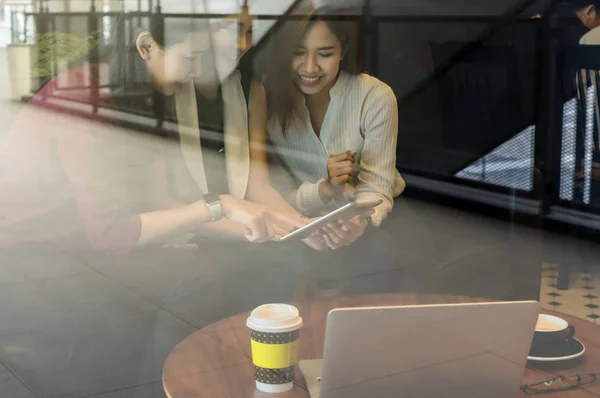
[[378, 175], [308, 199]]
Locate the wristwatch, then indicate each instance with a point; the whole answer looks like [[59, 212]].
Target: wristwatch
[[213, 201]]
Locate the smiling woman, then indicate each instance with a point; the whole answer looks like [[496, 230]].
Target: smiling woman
[[330, 51], [335, 128]]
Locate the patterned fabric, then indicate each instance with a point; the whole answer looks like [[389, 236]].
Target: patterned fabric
[[274, 338], [274, 376]]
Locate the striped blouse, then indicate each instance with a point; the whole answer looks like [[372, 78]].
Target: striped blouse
[[362, 117]]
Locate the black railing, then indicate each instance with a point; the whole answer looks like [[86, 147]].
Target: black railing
[[126, 94]]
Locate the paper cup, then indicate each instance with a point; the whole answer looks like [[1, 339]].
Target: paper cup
[[274, 331]]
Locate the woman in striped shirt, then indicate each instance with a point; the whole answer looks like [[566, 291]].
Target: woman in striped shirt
[[335, 129]]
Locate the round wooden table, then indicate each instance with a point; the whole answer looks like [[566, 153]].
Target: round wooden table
[[216, 360]]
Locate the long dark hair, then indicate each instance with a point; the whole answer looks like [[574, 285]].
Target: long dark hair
[[282, 93]]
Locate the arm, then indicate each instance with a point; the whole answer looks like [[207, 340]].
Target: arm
[[98, 166], [377, 174], [224, 230], [92, 156], [157, 226]]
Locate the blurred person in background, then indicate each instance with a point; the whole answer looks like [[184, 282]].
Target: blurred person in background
[[588, 12], [94, 186]]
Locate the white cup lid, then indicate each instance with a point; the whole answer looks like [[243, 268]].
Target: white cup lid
[[278, 318]]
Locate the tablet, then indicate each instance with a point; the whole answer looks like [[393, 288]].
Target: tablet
[[344, 213]]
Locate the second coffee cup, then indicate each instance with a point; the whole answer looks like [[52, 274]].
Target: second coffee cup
[[550, 332]]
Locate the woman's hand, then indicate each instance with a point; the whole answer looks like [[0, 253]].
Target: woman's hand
[[261, 224], [316, 242], [339, 234], [340, 169], [287, 222]]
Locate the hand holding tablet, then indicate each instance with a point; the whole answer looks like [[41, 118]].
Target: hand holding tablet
[[344, 214]]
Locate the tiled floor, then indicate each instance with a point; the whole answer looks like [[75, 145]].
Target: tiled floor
[[580, 300]]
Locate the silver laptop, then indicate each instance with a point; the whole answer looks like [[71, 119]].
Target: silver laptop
[[432, 351]]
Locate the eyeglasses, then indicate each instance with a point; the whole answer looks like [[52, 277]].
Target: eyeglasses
[[559, 383]]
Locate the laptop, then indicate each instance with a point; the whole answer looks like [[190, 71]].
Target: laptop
[[427, 351]]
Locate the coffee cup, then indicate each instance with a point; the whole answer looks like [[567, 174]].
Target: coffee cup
[[551, 332], [274, 332]]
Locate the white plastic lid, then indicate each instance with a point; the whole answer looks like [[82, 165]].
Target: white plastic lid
[[279, 318]]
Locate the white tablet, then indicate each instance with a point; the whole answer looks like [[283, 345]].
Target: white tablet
[[344, 213]]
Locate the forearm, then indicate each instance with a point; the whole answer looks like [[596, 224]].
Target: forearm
[[376, 181], [160, 225], [378, 177], [223, 229]]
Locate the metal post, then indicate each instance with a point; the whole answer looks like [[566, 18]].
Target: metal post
[[157, 27], [370, 30], [548, 135], [245, 18], [51, 22], [124, 65], [139, 8], [25, 18], [93, 57], [13, 22], [41, 29]]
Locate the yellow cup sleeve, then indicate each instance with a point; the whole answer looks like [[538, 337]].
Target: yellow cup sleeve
[[274, 356]]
